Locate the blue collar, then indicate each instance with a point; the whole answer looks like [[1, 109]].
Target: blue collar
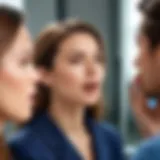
[[55, 140]]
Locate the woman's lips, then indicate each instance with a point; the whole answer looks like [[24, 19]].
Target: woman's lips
[[90, 87]]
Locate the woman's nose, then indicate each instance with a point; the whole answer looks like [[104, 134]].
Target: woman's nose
[[91, 68]]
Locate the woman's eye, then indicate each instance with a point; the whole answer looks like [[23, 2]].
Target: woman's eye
[[26, 62], [76, 59]]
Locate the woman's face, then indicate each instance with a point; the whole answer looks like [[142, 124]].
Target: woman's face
[[78, 71], [17, 79]]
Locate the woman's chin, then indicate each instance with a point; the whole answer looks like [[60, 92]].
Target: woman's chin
[[91, 100]]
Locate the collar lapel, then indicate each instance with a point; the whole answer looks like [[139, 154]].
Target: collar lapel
[[56, 142], [53, 138], [100, 141]]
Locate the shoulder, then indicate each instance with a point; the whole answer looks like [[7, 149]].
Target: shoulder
[[19, 144], [27, 144], [149, 149], [24, 144]]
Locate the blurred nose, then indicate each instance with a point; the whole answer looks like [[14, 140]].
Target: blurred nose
[[91, 68]]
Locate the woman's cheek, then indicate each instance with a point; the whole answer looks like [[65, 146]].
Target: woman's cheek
[[72, 76], [13, 80]]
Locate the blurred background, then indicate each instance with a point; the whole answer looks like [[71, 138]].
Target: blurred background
[[118, 21]]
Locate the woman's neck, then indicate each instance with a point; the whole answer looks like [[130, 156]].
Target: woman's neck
[[69, 116]]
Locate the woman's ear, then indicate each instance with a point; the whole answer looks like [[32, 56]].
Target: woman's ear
[[45, 76]]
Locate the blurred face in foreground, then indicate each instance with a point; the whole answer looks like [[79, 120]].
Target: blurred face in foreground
[[17, 78]]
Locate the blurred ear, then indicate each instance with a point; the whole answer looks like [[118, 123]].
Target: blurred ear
[[45, 76]]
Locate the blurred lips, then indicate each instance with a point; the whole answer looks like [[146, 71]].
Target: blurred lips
[[91, 86]]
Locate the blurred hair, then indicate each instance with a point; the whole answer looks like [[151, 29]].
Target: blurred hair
[[151, 24], [10, 22], [46, 47]]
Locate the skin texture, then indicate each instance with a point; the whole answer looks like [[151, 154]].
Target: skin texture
[[17, 79], [79, 61], [149, 67]]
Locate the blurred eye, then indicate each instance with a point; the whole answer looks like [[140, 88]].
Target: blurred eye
[[26, 61], [76, 59]]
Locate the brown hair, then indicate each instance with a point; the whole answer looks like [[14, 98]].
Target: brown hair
[[151, 23], [46, 48], [10, 22]]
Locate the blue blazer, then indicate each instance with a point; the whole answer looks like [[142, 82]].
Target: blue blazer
[[43, 140], [148, 150]]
